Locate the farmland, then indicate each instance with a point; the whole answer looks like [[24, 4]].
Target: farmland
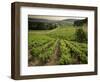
[[58, 46]]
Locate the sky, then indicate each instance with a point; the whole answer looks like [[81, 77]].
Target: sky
[[54, 17]]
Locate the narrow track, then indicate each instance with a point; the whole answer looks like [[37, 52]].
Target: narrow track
[[55, 56]]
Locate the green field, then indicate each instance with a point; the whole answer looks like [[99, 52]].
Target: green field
[[58, 46]]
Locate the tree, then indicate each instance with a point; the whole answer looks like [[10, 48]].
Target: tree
[[80, 22], [80, 35]]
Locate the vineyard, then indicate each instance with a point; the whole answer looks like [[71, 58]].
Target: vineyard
[[56, 47]]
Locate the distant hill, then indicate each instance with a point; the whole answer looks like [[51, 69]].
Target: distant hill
[[46, 24], [41, 20], [71, 21]]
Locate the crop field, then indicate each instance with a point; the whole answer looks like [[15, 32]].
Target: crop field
[[64, 45]]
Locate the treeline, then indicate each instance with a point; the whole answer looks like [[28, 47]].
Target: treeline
[[41, 25], [80, 22]]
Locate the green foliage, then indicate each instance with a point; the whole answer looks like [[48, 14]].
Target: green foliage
[[46, 54], [78, 52], [80, 35], [81, 46], [44, 51], [39, 49], [41, 25], [80, 22], [65, 54], [65, 32]]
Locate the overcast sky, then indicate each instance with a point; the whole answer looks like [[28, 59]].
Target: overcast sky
[[54, 17]]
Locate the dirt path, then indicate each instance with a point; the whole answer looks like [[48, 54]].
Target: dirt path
[[54, 58]]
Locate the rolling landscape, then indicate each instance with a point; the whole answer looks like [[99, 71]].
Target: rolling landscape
[[54, 40]]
